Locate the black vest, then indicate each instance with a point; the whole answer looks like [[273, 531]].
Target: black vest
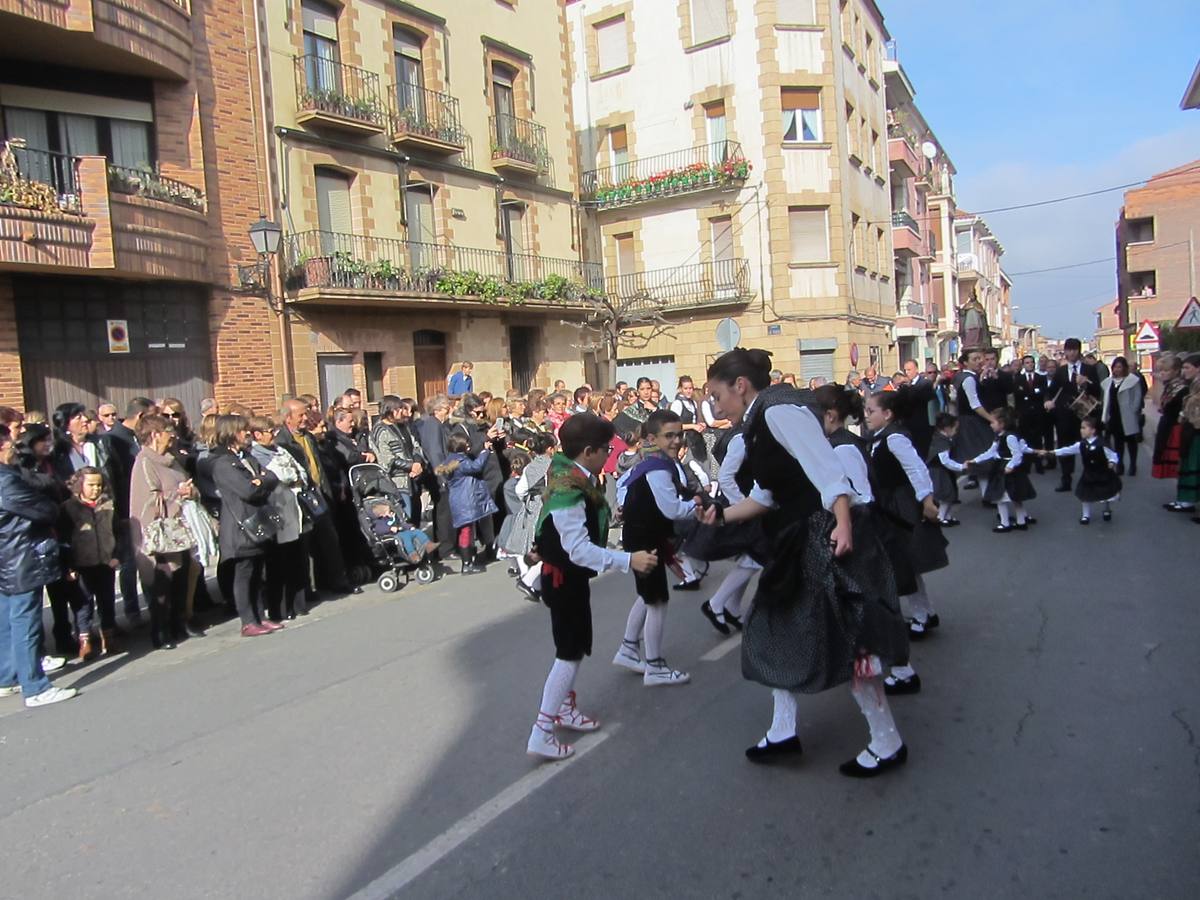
[[646, 528], [768, 462], [690, 415], [894, 494], [964, 404], [1095, 462], [550, 548]]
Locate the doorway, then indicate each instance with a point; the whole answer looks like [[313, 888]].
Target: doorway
[[523, 351], [335, 373], [429, 359]]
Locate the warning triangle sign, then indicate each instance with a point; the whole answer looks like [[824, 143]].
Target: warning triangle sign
[[1190, 317], [1147, 336]]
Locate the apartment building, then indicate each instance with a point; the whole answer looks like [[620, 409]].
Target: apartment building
[[114, 266], [1108, 340], [913, 151], [425, 173], [980, 277], [1155, 234], [734, 165]]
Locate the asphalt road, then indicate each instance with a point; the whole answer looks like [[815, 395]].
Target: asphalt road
[[379, 748]]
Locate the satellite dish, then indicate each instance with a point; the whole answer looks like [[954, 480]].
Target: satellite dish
[[929, 150]]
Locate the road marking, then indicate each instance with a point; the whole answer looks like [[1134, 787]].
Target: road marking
[[724, 648], [409, 869]]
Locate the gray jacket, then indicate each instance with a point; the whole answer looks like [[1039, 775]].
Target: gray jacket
[[396, 449]]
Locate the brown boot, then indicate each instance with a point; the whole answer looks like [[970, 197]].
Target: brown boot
[[85, 648], [106, 642]]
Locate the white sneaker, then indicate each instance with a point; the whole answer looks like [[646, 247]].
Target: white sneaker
[[570, 717], [10, 690], [53, 663], [543, 743], [50, 695], [658, 672], [629, 658]]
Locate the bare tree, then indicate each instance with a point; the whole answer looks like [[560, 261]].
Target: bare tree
[[613, 322]]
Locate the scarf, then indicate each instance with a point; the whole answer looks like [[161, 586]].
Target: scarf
[[567, 486], [1172, 388]]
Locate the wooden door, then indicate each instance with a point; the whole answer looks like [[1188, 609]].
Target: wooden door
[[429, 359]]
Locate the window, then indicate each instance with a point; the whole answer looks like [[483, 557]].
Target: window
[[880, 252], [618, 146], [513, 220], [709, 21], [816, 359], [504, 104], [410, 73], [856, 247], [852, 132], [373, 370], [333, 208], [321, 68], [809, 230], [612, 50], [714, 128], [627, 279], [874, 150], [870, 56], [801, 115], [847, 27], [721, 233], [963, 241], [1140, 231], [797, 12], [422, 230], [125, 142]]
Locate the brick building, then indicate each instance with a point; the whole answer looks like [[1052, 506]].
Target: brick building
[[117, 241]]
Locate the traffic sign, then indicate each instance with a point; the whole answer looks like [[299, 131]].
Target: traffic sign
[[1148, 337], [728, 334], [1190, 317]]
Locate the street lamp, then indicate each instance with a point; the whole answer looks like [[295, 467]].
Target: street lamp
[[265, 235]]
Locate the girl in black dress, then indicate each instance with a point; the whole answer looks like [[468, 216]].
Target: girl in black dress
[[825, 610], [1099, 482], [1007, 465], [943, 468]]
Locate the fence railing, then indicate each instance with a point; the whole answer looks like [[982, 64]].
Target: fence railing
[[666, 174], [902, 219], [42, 180], [335, 260], [715, 283], [520, 139], [329, 86], [915, 310], [147, 183], [418, 110]]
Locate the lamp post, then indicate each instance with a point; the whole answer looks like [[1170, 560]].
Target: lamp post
[[265, 235]]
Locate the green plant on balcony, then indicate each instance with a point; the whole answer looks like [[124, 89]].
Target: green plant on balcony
[[16, 190], [152, 185], [385, 275], [673, 181]]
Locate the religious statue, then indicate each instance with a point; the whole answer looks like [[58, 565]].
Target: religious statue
[[973, 325]]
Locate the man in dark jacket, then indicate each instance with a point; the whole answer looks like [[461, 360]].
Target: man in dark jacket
[[431, 434], [919, 422], [123, 440], [398, 452], [323, 543], [1073, 378], [28, 562]]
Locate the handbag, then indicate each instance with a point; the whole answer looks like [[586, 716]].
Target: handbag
[[262, 525], [312, 501], [165, 534]]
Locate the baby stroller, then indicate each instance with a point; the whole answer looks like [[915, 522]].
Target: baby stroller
[[370, 487]]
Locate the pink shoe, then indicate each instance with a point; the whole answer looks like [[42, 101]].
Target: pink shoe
[[272, 626], [254, 630]]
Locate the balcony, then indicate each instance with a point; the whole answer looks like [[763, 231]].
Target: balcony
[[902, 152], [152, 38], [722, 282], [335, 95], [968, 265], [79, 214], [332, 266], [519, 146], [911, 310], [425, 119], [906, 234], [719, 165]]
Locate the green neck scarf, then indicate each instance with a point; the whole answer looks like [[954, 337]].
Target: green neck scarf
[[567, 486]]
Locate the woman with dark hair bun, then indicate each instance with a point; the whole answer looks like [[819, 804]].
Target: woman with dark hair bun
[[825, 611]]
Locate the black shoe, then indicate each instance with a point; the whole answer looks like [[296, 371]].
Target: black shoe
[[513, 571], [1084, 520], [472, 569], [766, 750], [193, 631], [530, 594], [1062, 488], [917, 631], [1021, 526], [932, 622], [970, 484], [1030, 520], [1107, 515], [896, 687], [1002, 529], [688, 585], [716, 622], [1173, 506], [731, 619], [950, 523], [855, 769]]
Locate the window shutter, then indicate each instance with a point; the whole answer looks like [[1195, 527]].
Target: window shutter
[[419, 209], [618, 139], [816, 364], [333, 202], [801, 98], [810, 235], [319, 19], [611, 49], [722, 238], [709, 20]]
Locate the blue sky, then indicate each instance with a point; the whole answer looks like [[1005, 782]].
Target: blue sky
[[1034, 100]]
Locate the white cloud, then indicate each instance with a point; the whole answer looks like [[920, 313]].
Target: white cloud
[[1071, 232]]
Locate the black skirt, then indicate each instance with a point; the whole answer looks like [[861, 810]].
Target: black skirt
[[1015, 485], [945, 485], [974, 437], [1095, 487], [815, 614]]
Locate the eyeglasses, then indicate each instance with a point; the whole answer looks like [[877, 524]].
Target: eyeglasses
[[174, 415]]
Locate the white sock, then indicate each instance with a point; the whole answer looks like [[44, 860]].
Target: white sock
[[1004, 508], [656, 620], [983, 485], [729, 594], [531, 576], [903, 673], [558, 684], [917, 605], [944, 511], [1019, 509], [1108, 506], [636, 622], [1087, 511], [885, 739], [522, 566], [688, 567], [783, 720]]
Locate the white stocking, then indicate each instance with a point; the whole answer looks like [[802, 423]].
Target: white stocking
[[1005, 510], [917, 605], [688, 567], [885, 739], [944, 511], [903, 673], [1019, 509], [636, 622], [733, 588], [531, 576], [1087, 510], [783, 721], [559, 683], [656, 620]]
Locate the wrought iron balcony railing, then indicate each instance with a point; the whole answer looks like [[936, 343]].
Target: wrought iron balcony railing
[[40, 179], [522, 140], [333, 260], [721, 282], [328, 86], [700, 168], [147, 183], [419, 111], [902, 219]]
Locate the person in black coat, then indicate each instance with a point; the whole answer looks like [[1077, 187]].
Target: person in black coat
[[470, 422], [245, 490], [1074, 377], [919, 394], [122, 438], [1029, 392], [994, 383], [432, 433]]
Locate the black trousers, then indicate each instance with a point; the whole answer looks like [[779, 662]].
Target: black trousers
[[129, 572], [1066, 426], [96, 592], [328, 563], [443, 529], [63, 597], [287, 579], [248, 588], [1126, 449], [165, 578]]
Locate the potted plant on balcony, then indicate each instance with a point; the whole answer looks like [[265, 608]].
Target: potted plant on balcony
[[384, 276], [296, 276]]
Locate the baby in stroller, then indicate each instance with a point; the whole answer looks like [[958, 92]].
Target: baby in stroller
[[397, 546], [386, 523]]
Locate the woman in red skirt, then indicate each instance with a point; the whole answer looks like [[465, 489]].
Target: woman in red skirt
[[1166, 439]]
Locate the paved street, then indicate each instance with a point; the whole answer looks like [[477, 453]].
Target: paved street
[[1053, 750]]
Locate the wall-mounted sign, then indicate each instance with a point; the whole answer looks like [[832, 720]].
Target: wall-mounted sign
[[118, 336], [774, 329]]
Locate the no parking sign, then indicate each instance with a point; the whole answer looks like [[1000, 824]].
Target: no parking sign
[[118, 335]]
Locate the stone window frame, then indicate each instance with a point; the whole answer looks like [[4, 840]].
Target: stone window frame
[[709, 95], [524, 102], [591, 44], [434, 40], [605, 124], [513, 194], [608, 235], [684, 10], [704, 217]]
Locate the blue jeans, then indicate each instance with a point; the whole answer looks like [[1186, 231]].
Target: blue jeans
[[20, 642]]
